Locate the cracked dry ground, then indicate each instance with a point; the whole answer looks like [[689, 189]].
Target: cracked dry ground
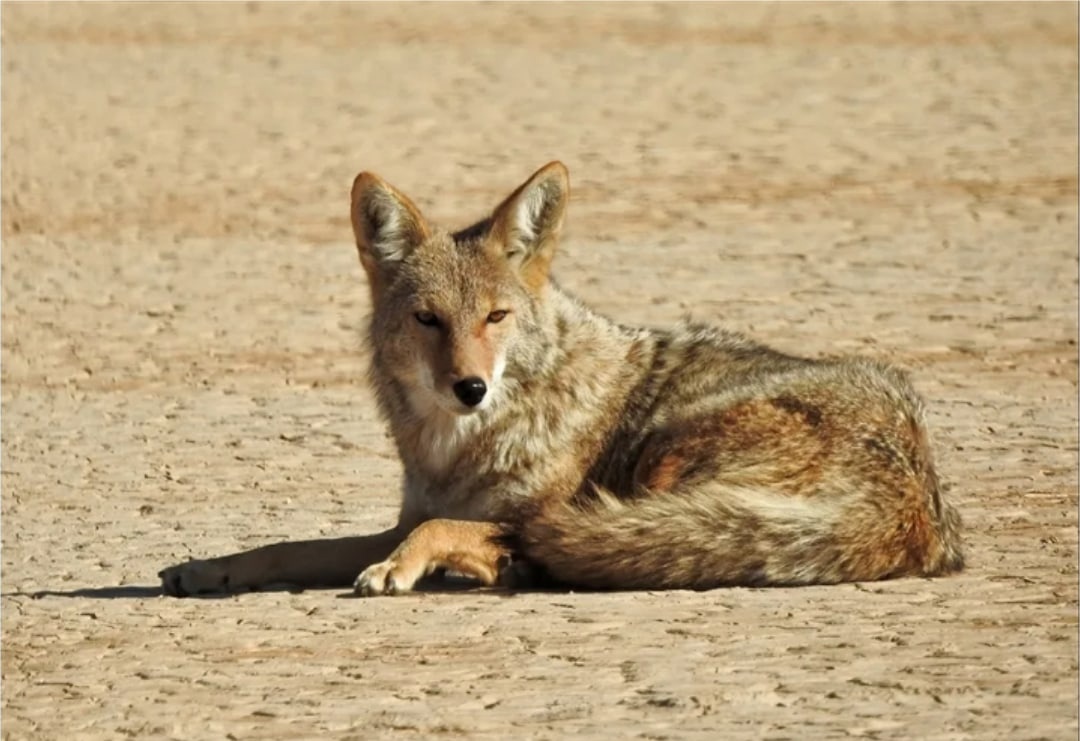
[[182, 373]]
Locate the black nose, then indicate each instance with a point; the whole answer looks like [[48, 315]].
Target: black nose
[[470, 390]]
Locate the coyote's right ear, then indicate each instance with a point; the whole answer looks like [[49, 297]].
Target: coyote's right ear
[[387, 225], [526, 225]]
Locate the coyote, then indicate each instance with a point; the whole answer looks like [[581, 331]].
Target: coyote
[[541, 438]]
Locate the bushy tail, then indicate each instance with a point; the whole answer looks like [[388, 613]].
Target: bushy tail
[[725, 536]]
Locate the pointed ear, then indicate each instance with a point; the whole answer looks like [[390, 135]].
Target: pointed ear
[[526, 225], [387, 225]]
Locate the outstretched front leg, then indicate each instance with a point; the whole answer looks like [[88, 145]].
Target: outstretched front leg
[[307, 563], [475, 549]]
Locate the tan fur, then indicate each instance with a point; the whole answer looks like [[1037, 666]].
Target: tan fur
[[469, 548], [607, 456]]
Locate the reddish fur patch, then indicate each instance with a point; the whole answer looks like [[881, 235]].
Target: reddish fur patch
[[665, 475], [786, 437], [920, 539], [470, 356]]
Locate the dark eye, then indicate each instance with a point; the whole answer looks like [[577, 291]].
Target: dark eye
[[427, 318], [497, 316]]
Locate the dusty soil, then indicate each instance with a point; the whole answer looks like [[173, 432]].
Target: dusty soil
[[182, 373]]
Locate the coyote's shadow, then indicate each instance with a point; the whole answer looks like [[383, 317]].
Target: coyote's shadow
[[433, 585], [137, 591], [121, 592]]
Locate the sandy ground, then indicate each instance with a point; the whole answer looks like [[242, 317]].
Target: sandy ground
[[182, 373]]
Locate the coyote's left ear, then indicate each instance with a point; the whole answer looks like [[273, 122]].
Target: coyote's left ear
[[526, 225], [387, 225]]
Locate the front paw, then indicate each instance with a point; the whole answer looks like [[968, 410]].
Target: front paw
[[383, 578], [194, 577]]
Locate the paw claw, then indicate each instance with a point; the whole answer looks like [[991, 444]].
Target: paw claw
[[381, 578]]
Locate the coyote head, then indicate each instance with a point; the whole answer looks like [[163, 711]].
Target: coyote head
[[455, 315]]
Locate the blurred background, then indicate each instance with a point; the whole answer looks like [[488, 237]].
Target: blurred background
[[207, 119]]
